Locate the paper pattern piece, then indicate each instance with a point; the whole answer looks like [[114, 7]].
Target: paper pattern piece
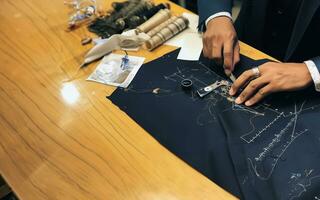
[[191, 47], [177, 40], [111, 70], [189, 40]]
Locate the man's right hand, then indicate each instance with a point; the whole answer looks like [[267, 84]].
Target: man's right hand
[[220, 43]]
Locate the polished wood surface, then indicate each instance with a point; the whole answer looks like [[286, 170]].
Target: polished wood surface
[[60, 137]]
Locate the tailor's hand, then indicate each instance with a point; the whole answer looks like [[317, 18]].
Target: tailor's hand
[[274, 77], [220, 43]]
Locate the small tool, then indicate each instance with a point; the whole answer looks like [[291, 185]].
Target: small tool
[[232, 77], [125, 62], [208, 89], [186, 84], [86, 40]]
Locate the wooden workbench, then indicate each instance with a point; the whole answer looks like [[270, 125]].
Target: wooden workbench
[[60, 138]]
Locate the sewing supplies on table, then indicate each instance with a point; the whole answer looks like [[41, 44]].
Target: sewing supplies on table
[[117, 70], [125, 62], [125, 15], [208, 89], [175, 27], [115, 42], [82, 11]]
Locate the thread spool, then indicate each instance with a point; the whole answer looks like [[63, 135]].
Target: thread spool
[[161, 26], [154, 21], [166, 33]]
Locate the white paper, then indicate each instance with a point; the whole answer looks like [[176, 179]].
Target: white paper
[[109, 70], [193, 21], [191, 47]]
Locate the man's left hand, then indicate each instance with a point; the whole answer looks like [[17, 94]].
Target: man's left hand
[[274, 77]]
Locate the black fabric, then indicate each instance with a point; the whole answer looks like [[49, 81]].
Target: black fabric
[[213, 134], [273, 26], [309, 46], [278, 27], [281, 15]]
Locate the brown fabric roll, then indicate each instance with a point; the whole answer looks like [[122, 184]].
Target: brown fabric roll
[[156, 29], [172, 29]]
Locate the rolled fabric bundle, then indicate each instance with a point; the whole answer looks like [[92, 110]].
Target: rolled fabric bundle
[[156, 9], [155, 30], [154, 42], [141, 13], [138, 10], [167, 32], [154, 21], [119, 5]]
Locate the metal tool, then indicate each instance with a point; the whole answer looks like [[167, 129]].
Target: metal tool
[[186, 84], [208, 89], [232, 78]]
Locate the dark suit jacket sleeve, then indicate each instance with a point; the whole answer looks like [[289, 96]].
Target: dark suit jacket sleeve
[[206, 8]]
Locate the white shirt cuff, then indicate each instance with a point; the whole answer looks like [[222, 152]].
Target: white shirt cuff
[[314, 74], [219, 14]]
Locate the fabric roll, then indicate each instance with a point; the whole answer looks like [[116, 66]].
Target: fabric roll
[[161, 26], [172, 29]]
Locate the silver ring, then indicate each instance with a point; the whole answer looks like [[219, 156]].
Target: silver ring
[[256, 72]]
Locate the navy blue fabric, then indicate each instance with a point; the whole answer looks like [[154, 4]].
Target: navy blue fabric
[[237, 147], [275, 146], [178, 119]]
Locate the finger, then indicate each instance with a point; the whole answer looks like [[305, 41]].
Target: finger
[[228, 57], [241, 81], [236, 55], [205, 50], [216, 53], [251, 89], [205, 47], [262, 93]]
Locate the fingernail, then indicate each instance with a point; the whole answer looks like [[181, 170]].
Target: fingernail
[[231, 92], [238, 100], [248, 103]]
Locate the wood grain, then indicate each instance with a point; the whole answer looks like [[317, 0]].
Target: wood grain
[[60, 137]]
